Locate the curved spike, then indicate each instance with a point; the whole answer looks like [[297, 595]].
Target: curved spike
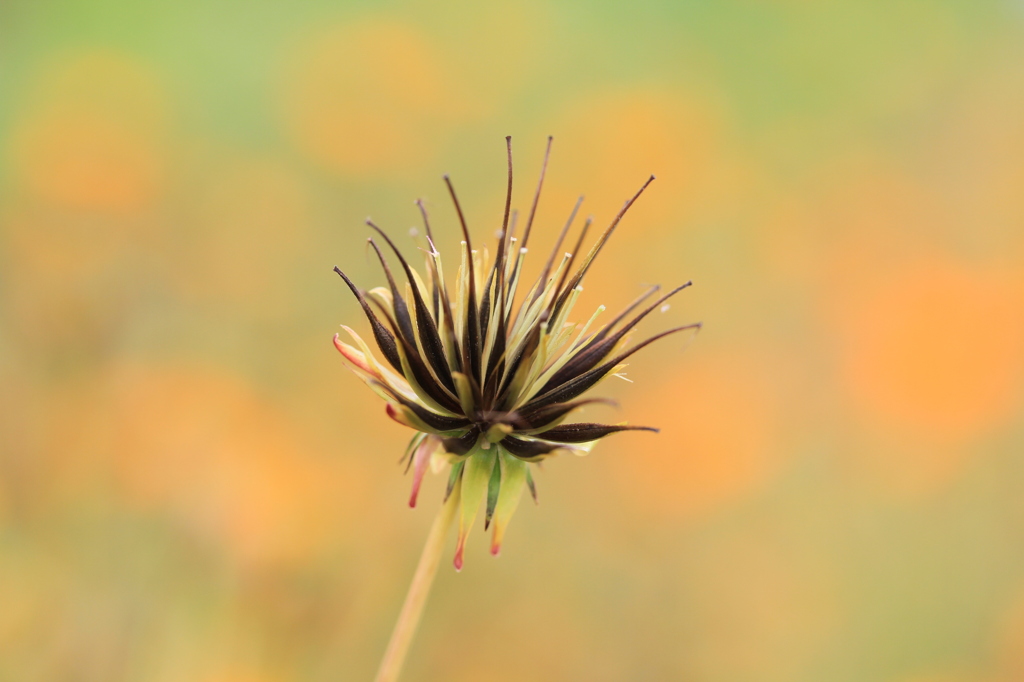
[[568, 266], [536, 196], [578, 385], [435, 421], [384, 338], [420, 373], [471, 340], [402, 317], [584, 433], [596, 249], [599, 347], [426, 222], [425, 322], [528, 450], [548, 414], [554, 251]]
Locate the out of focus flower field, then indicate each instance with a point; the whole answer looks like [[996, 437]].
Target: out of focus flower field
[[193, 488]]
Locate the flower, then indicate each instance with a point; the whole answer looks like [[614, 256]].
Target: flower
[[484, 375]]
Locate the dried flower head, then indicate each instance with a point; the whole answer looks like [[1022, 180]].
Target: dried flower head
[[486, 375]]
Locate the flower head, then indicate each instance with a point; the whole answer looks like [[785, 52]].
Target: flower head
[[488, 370]]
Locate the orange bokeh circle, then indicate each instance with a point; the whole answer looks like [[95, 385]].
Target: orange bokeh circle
[[936, 349], [718, 440], [228, 463], [365, 97], [92, 135]]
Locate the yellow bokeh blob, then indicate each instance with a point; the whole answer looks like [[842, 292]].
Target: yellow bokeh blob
[[948, 677], [230, 464], [718, 440], [756, 609], [606, 146], [92, 134], [251, 217], [241, 676], [936, 348], [928, 345], [367, 97], [1009, 642]]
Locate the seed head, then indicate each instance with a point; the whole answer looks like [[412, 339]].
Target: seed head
[[487, 371]]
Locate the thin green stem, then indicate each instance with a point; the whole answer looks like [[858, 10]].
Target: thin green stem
[[419, 590]]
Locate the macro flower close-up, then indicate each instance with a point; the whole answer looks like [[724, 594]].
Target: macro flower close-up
[[485, 373], [511, 341], [487, 369]]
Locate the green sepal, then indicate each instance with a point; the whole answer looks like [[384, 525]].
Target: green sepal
[[513, 472], [411, 448], [493, 488], [475, 478], [530, 484], [453, 478]]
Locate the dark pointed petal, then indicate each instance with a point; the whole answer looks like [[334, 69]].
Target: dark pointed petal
[[578, 385], [527, 449], [402, 316], [554, 251], [536, 196], [496, 360], [440, 289], [425, 323], [525, 349], [625, 313], [574, 253], [578, 277], [485, 306], [471, 339], [422, 375], [462, 444], [537, 418], [584, 433], [498, 273], [432, 419], [426, 221], [598, 347], [381, 334]]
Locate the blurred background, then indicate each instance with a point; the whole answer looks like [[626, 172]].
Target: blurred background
[[193, 488]]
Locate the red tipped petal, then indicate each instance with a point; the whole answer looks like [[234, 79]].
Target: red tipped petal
[[350, 354], [459, 549], [396, 415], [420, 459]]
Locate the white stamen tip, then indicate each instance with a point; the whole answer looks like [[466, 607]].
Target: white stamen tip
[[623, 377], [523, 250], [413, 232], [498, 234], [665, 308]]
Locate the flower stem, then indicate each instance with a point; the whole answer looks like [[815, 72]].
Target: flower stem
[[419, 590]]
